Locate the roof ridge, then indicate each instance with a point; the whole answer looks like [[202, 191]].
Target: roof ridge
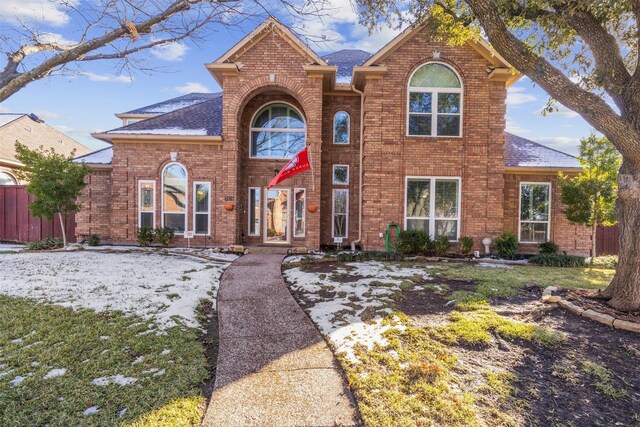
[[213, 94], [541, 145]]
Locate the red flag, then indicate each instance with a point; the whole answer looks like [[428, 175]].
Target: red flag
[[299, 163]]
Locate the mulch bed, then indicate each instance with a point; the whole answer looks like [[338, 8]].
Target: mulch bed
[[588, 299]]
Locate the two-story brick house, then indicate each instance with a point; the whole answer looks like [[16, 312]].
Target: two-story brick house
[[413, 134]]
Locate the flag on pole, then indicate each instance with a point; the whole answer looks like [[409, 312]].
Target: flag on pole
[[299, 163]]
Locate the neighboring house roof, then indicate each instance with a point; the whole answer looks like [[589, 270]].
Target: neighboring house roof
[[522, 153], [6, 118], [175, 103], [100, 157], [346, 60]]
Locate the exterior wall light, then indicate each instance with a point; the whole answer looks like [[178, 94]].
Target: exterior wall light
[[486, 242]]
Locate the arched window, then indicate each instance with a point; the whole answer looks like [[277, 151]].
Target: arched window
[[7, 179], [435, 101], [341, 128], [277, 132], [174, 197]]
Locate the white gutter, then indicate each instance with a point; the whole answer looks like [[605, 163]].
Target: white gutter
[[360, 171]]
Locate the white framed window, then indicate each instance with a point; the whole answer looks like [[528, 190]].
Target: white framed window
[[201, 207], [340, 213], [434, 101], [299, 216], [174, 197], [147, 203], [341, 174], [341, 128], [535, 212], [254, 211], [433, 204], [277, 132]]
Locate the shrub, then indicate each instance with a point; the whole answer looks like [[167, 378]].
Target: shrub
[[549, 247], [370, 256], [606, 261], [465, 245], [441, 245], [93, 240], [507, 245], [164, 235], [144, 235], [412, 241], [557, 260], [46, 244]]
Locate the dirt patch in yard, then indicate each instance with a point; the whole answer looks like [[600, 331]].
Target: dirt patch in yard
[[434, 299]]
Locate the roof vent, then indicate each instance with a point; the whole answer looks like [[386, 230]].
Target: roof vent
[[35, 118]]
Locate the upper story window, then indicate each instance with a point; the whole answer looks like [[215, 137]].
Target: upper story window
[[174, 197], [277, 132], [435, 101], [341, 128]]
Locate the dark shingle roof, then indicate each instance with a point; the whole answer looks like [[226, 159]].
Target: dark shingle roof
[[101, 157], [521, 152], [174, 103], [201, 119], [346, 60]]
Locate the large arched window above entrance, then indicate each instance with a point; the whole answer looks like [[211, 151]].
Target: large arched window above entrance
[[7, 179], [174, 197], [277, 132], [434, 101]]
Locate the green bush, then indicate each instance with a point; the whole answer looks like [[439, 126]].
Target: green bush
[[370, 256], [557, 260], [441, 245], [144, 235], [549, 247], [93, 240], [465, 245], [164, 236], [412, 242], [507, 245], [607, 261], [46, 244]]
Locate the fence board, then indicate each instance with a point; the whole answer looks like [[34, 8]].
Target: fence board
[[607, 240], [17, 224]]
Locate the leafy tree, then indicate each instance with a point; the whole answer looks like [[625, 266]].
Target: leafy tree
[[584, 54], [590, 197], [54, 180]]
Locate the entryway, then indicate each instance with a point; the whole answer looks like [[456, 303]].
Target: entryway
[[276, 216]]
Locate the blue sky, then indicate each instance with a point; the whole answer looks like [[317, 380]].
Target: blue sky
[[86, 101]]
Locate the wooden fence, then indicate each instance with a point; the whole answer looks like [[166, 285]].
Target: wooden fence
[[17, 224], [607, 240]]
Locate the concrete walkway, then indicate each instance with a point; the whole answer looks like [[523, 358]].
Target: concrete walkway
[[274, 368]]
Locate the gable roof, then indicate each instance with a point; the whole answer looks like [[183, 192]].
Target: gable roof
[[174, 103], [523, 153], [6, 118], [346, 60], [100, 157]]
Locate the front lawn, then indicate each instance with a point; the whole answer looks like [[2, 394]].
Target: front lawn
[[450, 344], [97, 339]]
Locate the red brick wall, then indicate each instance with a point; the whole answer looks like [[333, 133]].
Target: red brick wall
[[95, 215]]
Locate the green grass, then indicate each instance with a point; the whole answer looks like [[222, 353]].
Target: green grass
[[602, 380], [57, 337]]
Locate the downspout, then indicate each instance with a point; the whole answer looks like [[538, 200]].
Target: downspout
[[360, 171]]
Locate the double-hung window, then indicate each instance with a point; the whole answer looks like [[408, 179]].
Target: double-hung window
[[433, 205], [146, 203], [201, 207], [534, 211], [340, 224]]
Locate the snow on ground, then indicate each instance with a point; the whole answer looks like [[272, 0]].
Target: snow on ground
[[304, 257], [348, 304], [492, 265], [114, 379], [161, 288]]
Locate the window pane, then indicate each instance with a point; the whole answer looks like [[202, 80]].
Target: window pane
[[174, 188], [419, 102], [146, 197], [448, 125], [276, 144], [340, 175], [298, 228], [420, 125], [254, 211], [262, 119], [6, 179], [533, 232], [278, 116], [340, 202], [202, 198], [534, 202], [339, 226], [418, 198], [446, 199], [202, 224], [146, 219], [341, 128], [448, 228], [434, 75], [418, 224], [175, 221], [448, 103]]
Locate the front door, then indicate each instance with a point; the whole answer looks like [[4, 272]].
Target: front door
[[276, 216]]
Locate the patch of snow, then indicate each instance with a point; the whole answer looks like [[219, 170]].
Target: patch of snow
[[122, 412], [135, 283], [103, 337], [91, 410], [18, 380], [165, 352], [165, 131], [114, 379], [139, 359], [10, 247], [297, 258], [58, 372], [159, 373], [16, 341], [492, 265]]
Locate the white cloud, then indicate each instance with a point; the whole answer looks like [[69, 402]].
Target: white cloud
[[513, 127], [170, 51], [517, 96], [51, 12], [190, 87], [54, 38], [563, 143], [106, 77], [48, 115]]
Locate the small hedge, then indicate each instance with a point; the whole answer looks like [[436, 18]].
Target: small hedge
[[557, 260], [550, 247], [465, 245], [93, 240], [413, 242], [370, 256], [606, 261], [507, 245], [46, 244]]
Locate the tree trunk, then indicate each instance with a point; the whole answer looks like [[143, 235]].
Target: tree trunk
[[624, 291], [594, 230], [64, 231]]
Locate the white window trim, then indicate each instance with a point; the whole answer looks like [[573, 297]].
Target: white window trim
[[333, 175], [258, 191], [146, 181], [186, 197], [434, 103], [289, 130], [333, 213], [520, 221], [264, 205], [432, 203], [195, 184], [348, 128], [304, 213]]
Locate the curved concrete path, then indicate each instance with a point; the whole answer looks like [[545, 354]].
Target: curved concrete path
[[274, 368]]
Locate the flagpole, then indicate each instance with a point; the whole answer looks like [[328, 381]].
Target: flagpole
[[313, 179]]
